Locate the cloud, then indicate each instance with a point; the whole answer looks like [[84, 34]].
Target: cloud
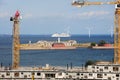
[[81, 15], [52, 15], [93, 13]]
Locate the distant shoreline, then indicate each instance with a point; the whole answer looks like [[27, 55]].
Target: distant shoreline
[[51, 34]]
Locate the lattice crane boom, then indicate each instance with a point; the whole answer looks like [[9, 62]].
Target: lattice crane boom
[[84, 3], [16, 41], [81, 3]]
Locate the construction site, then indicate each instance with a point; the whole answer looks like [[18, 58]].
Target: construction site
[[98, 71]]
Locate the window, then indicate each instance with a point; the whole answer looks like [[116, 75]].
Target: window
[[106, 67], [97, 67], [78, 74], [105, 74], [117, 75], [70, 76], [101, 70], [90, 74], [99, 76], [60, 74], [21, 72], [3, 76], [117, 78], [33, 73], [85, 76], [8, 74], [38, 74], [50, 75], [66, 73], [16, 74], [115, 68], [25, 76], [109, 78]]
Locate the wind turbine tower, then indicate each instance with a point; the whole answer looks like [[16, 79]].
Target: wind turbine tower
[[111, 31], [89, 31]]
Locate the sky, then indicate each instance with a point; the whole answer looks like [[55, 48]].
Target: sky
[[50, 16]]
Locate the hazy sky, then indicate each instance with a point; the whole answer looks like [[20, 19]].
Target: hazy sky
[[51, 16]]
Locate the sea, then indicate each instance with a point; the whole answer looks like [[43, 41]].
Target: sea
[[78, 57]]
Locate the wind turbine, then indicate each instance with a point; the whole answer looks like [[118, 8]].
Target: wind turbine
[[89, 31], [111, 31]]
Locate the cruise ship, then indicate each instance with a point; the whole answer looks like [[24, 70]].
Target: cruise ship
[[61, 35]]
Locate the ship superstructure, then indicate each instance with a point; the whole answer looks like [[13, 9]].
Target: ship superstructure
[[61, 35], [64, 34]]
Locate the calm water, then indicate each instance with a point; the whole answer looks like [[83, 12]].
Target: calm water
[[54, 57]]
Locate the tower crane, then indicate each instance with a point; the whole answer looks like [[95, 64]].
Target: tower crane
[[16, 40], [81, 3]]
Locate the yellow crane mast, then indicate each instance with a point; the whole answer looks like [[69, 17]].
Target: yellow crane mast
[[16, 41], [81, 3], [117, 37]]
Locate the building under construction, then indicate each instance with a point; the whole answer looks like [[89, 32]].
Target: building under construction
[[97, 71]]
